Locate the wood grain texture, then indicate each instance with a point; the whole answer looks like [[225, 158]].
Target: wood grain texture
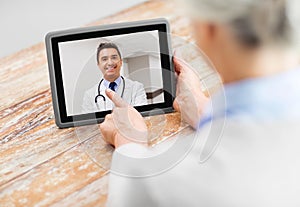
[[41, 165]]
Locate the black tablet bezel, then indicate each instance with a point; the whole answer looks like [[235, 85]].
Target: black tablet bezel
[[53, 40]]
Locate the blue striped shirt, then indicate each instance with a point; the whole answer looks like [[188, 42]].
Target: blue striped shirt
[[267, 98]]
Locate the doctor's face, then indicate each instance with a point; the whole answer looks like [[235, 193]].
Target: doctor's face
[[110, 63]]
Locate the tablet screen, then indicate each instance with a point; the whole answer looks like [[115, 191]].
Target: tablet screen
[[131, 60], [128, 64]]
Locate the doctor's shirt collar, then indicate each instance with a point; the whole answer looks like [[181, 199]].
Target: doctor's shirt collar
[[117, 81]]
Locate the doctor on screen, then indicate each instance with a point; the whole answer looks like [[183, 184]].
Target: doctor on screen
[[109, 61]]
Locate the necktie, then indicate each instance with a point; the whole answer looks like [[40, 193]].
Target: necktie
[[112, 86]]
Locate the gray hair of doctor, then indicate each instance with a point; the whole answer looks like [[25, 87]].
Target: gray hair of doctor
[[253, 22]]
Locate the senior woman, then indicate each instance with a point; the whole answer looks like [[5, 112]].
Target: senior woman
[[254, 46]]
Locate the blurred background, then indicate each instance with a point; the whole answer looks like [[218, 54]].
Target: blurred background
[[25, 23]]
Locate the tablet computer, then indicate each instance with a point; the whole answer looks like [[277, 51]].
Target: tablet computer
[[134, 59]]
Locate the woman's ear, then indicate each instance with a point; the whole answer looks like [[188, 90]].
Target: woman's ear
[[206, 36]]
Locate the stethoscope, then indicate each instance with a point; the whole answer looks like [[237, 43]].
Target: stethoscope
[[103, 97]]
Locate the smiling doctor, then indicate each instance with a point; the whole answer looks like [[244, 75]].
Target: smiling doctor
[[109, 61]]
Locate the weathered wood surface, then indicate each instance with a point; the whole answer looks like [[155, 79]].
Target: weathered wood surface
[[42, 165]]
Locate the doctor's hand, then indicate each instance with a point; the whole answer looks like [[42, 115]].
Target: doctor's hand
[[190, 101], [124, 125]]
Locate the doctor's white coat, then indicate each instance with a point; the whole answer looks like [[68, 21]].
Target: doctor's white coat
[[134, 94]]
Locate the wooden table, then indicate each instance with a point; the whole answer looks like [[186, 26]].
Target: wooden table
[[42, 165]]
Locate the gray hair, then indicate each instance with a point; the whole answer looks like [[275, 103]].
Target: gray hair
[[253, 22]]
